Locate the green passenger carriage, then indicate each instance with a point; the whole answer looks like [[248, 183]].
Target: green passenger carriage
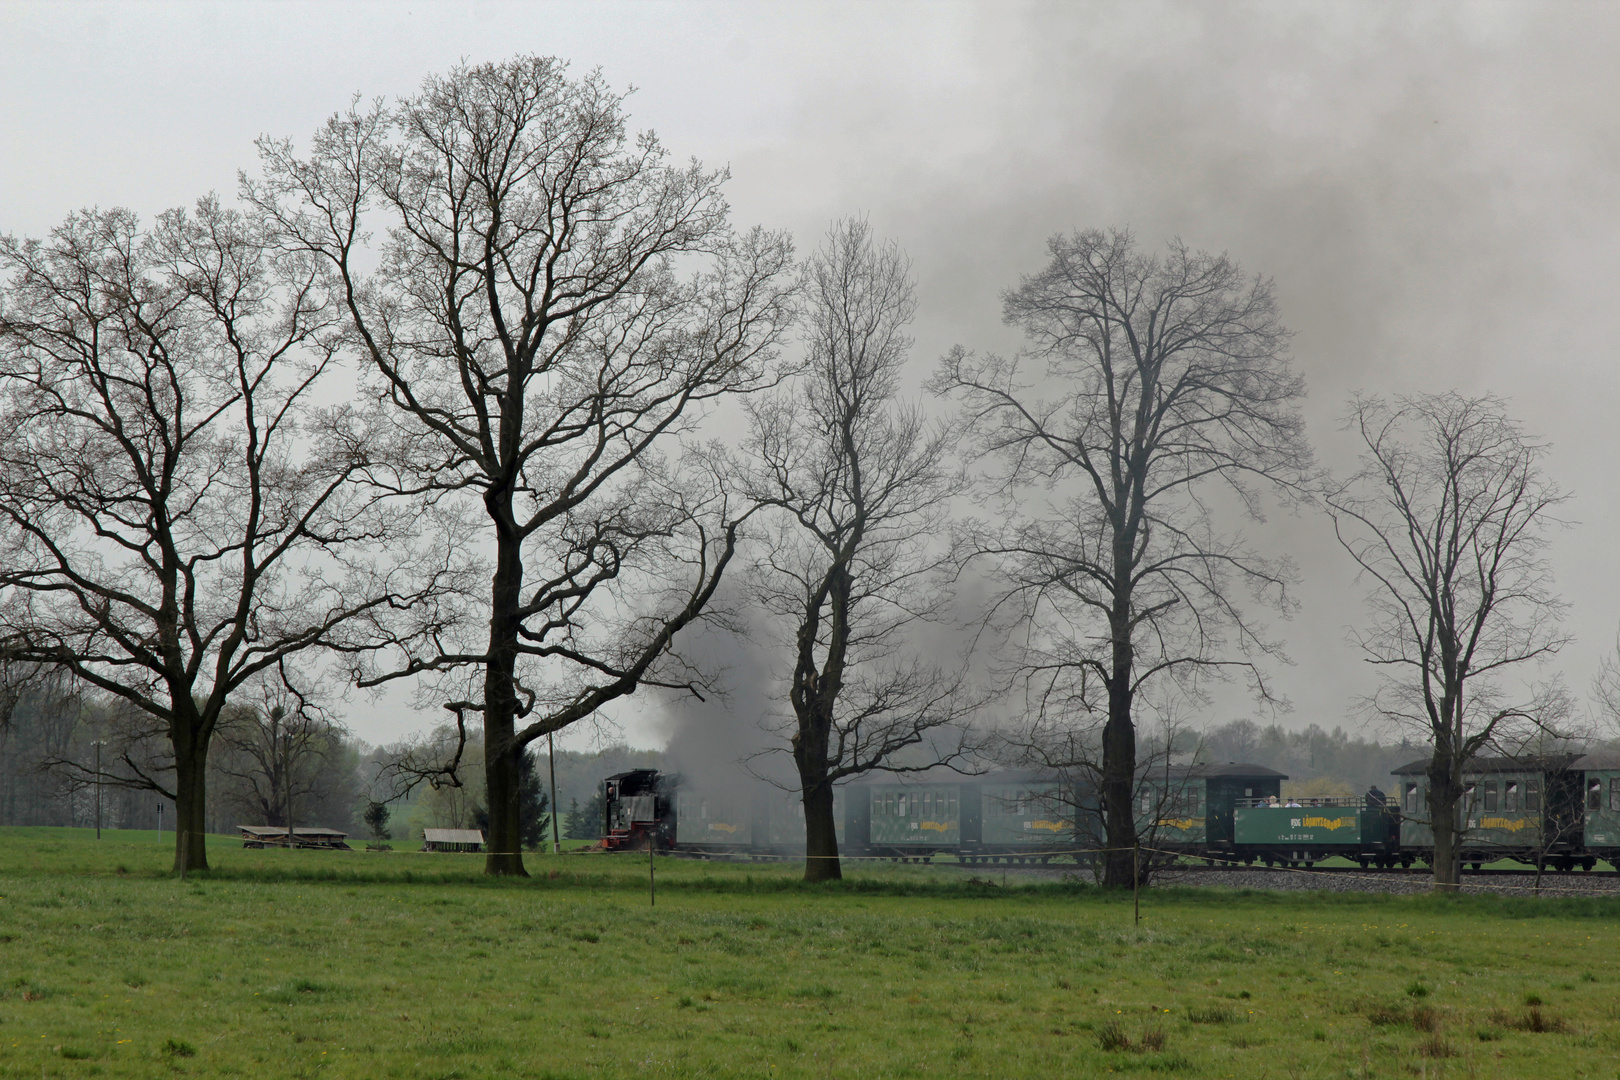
[[1600, 819], [1525, 809]]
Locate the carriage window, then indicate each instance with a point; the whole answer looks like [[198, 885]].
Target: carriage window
[[1468, 798], [1147, 802], [888, 804], [1510, 796], [1614, 793], [1490, 796], [952, 810], [1594, 794], [1532, 795], [928, 804], [1411, 803]]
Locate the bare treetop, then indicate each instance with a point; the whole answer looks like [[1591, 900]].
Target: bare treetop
[[1448, 515]]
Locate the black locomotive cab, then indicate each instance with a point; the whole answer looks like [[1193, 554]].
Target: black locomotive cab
[[637, 810]]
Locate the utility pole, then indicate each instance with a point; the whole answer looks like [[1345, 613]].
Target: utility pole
[[97, 745], [286, 770], [551, 759], [277, 715]]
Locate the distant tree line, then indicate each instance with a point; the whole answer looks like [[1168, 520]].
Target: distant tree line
[[47, 756], [1313, 754]]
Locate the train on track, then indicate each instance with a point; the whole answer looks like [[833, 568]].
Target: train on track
[[1559, 812]]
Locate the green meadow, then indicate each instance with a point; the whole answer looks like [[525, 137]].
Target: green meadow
[[322, 964]]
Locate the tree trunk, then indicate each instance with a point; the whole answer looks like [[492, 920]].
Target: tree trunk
[[1118, 783], [1445, 794], [190, 806], [1119, 772], [810, 755], [820, 834], [500, 702]]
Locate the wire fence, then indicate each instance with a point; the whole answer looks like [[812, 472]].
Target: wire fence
[[1144, 873]]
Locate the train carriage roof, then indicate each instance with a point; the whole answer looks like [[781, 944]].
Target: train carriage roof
[[1604, 760], [1480, 766], [1213, 770], [1234, 770]]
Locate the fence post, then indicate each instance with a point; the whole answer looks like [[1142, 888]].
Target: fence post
[[1136, 879], [652, 888]]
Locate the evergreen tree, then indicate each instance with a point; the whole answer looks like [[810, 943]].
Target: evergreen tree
[[377, 820], [585, 822], [533, 806]]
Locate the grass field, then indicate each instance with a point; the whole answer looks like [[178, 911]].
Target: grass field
[[306, 964]]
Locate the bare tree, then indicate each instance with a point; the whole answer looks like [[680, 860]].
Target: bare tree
[[275, 752], [42, 718], [861, 484], [526, 320], [1159, 379], [179, 516], [1605, 694], [1448, 518]]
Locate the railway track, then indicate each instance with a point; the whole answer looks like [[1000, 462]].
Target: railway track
[[1409, 871], [1194, 868]]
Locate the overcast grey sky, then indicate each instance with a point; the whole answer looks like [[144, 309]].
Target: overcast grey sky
[[1432, 186]]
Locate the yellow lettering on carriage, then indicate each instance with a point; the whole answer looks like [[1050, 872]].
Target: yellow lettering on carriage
[[1510, 824], [1330, 823]]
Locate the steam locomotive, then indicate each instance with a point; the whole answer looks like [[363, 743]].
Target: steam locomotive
[[1559, 811]]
